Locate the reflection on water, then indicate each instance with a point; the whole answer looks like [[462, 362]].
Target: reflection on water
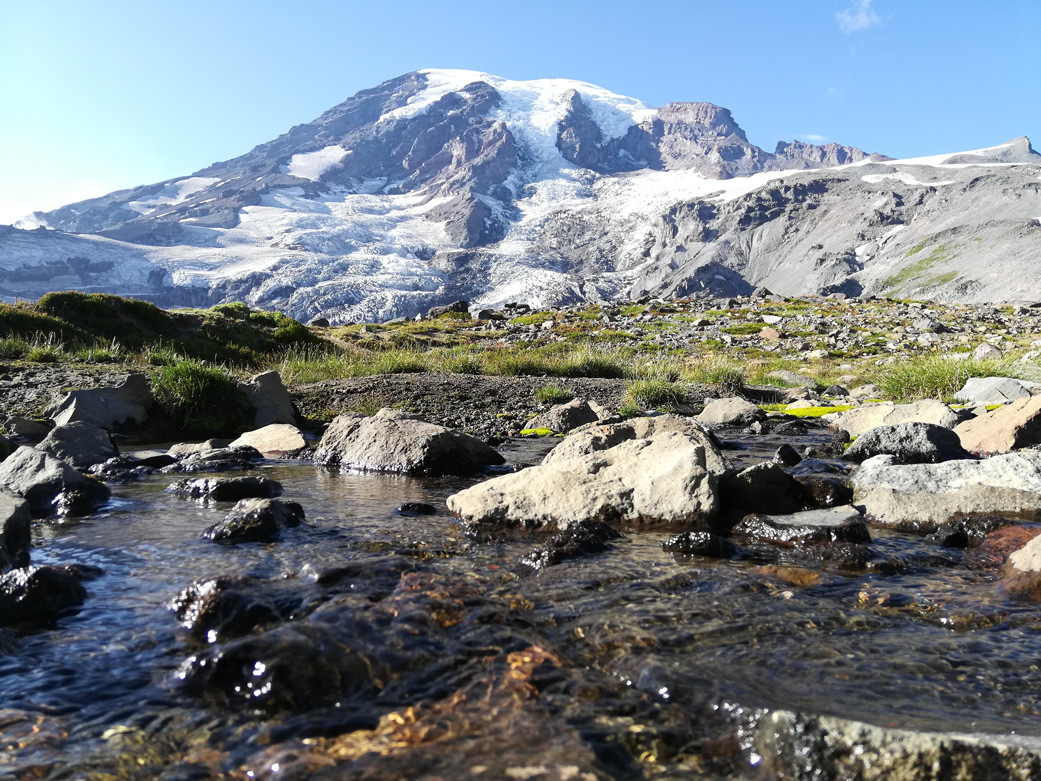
[[933, 646]]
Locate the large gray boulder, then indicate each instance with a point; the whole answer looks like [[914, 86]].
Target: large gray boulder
[[921, 497], [861, 420], [733, 411], [389, 442], [1017, 425], [995, 390], [562, 418], [274, 439], [15, 534], [80, 444], [51, 486], [662, 483], [270, 399], [107, 408], [909, 443]]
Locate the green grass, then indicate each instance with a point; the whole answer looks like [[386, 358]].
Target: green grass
[[717, 371], [647, 394], [533, 319], [552, 394], [938, 377], [201, 400], [919, 270]]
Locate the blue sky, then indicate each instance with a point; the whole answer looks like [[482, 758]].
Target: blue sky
[[108, 94]]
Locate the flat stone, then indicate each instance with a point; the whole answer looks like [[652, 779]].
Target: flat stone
[[861, 420], [1012, 427], [995, 390], [733, 411], [272, 440]]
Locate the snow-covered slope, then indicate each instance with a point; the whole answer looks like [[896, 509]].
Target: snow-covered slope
[[446, 184]]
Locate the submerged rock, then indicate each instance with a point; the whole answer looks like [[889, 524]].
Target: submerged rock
[[581, 539], [256, 520], [51, 486], [227, 489], [38, 594], [909, 443], [387, 442], [814, 527], [219, 609], [700, 543]]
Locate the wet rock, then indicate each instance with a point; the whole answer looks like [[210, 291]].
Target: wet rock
[[1021, 575], [581, 539], [15, 534], [119, 470], [273, 440], [51, 487], [296, 666], [224, 459], [661, 482], [38, 594], [256, 520], [191, 448], [813, 527], [219, 609], [857, 422], [790, 428], [921, 497], [909, 443], [415, 509], [792, 576], [733, 411], [827, 490], [966, 532], [1010, 428], [384, 443], [270, 400], [999, 544], [564, 417], [761, 488], [787, 456], [995, 390], [700, 543], [106, 408], [80, 444], [227, 489]]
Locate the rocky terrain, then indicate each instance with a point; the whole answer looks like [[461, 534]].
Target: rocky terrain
[[440, 185]]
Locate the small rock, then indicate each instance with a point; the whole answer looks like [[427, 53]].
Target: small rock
[[26, 428], [966, 532], [256, 520], [987, 352], [787, 455], [219, 609], [581, 539], [38, 594], [861, 420], [813, 527], [700, 543], [272, 440], [562, 418], [412, 509], [227, 489]]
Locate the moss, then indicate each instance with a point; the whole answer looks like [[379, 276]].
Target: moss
[[236, 310], [919, 269], [537, 432], [532, 319]]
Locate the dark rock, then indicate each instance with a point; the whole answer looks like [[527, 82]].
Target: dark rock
[[227, 489], [789, 428], [119, 470], [580, 539], [26, 429], [967, 532], [52, 487], [489, 314], [15, 533], [910, 443], [837, 524], [320, 322], [700, 543], [219, 609], [79, 444], [836, 390], [765, 488], [38, 595], [152, 459], [225, 459], [787, 456], [416, 508], [256, 520], [456, 306], [827, 490]]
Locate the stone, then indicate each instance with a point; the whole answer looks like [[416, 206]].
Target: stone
[[995, 390], [219, 609], [222, 459], [658, 483], [786, 456], [490, 314], [38, 595], [255, 520], [191, 448], [967, 532], [826, 490], [812, 527], [909, 443], [270, 400], [921, 497], [1012, 427], [26, 428], [107, 408], [862, 392], [792, 378], [51, 486], [227, 489], [769, 334], [584, 538], [733, 411], [763, 488], [562, 418], [700, 543], [385, 443], [275, 439], [80, 444], [15, 531], [858, 421], [320, 322], [415, 509], [1021, 574], [987, 352], [456, 306]]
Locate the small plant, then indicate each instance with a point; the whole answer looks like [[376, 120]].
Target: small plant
[[45, 349], [938, 377], [654, 393], [719, 372], [202, 400], [552, 394], [100, 352]]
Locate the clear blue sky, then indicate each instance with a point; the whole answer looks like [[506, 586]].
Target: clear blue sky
[[98, 95]]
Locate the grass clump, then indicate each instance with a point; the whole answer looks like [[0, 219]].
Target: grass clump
[[552, 394], [938, 377], [202, 400], [654, 393], [716, 371]]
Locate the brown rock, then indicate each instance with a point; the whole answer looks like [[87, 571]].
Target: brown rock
[[1016, 426], [770, 334], [1021, 575]]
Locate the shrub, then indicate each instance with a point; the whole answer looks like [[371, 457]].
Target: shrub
[[109, 317], [235, 310], [204, 401]]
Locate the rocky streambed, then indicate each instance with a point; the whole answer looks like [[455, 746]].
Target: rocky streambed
[[658, 598]]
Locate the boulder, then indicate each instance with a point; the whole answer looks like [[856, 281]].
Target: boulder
[[456, 306], [813, 527], [38, 594], [995, 390], [26, 428], [227, 489], [733, 411], [909, 443], [191, 448], [106, 408], [15, 535], [51, 487], [663, 483], [270, 400], [763, 488], [1021, 574], [256, 520], [388, 443], [921, 497], [858, 421], [80, 444], [562, 418], [987, 352], [1015, 426], [273, 440]]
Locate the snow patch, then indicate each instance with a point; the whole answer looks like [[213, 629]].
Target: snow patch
[[172, 194], [313, 165], [905, 177]]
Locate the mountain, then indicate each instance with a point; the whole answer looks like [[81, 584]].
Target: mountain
[[444, 184]]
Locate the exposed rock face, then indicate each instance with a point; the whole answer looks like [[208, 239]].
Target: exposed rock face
[[106, 408], [270, 400], [80, 444], [796, 154], [909, 443], [51, 487], [387, 443], [1016, 426], [921, 497], [662, 482], [859, 421]]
